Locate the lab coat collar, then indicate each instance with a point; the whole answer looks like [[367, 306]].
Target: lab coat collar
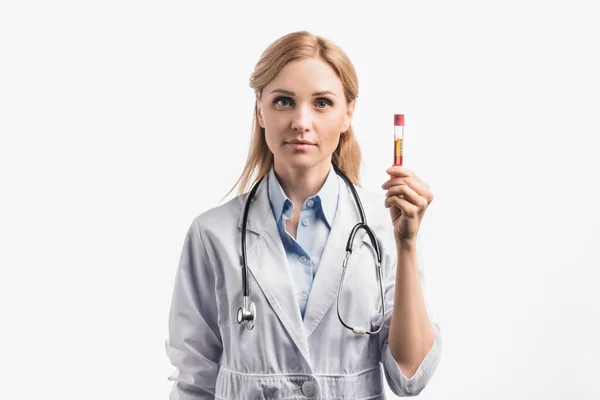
[[267, 261]]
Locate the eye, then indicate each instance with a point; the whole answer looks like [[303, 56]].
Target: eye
[[282, 99], [324, 101]]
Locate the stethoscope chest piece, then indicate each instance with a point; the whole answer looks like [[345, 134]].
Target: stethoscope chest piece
[[247, 314]]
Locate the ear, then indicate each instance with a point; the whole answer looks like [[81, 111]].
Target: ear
[[261, 121], [348, 116]]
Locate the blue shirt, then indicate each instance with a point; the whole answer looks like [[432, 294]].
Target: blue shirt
[[314, 225]]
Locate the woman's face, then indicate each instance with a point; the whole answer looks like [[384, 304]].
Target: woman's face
[[304, 102]]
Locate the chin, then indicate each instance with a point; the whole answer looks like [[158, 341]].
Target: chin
[[301, 161], [300, 164]]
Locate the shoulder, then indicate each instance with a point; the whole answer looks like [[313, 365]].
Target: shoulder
[[374, 205], [369, 195], [219, 219]]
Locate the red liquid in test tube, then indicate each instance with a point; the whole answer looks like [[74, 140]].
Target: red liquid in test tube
[[398, 138]]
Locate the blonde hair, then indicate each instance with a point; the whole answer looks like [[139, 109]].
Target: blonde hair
[[296, 46]]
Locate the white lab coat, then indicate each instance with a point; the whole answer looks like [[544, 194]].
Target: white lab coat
[[284, 356]]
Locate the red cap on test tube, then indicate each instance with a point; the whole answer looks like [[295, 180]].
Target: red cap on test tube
[[398, 119]]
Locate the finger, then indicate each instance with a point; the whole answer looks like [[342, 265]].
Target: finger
[[409, 194], [408, 209], [402, 172], [399, 171], [420, 187], [405, 180]]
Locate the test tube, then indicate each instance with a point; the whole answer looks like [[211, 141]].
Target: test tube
[[398, 138]]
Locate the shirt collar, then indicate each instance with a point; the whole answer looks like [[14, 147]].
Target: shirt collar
[[326, 198]]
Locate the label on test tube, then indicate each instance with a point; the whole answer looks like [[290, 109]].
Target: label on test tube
[[398, 152]]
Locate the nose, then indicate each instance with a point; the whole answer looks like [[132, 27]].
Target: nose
[[302, 119]]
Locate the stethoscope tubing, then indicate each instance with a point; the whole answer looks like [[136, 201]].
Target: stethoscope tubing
[[247, 313]]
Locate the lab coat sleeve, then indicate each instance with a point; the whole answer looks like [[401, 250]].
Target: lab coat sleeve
[[194, 344], [398, 382]]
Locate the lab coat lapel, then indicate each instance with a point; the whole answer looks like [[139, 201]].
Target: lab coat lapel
[[267, 261], [324, 290]]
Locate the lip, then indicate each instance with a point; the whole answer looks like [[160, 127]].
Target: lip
[[300, 146], [299, 141]]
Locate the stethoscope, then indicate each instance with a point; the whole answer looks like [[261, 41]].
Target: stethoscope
[[247, 313]]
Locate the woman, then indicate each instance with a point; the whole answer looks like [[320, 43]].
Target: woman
[[298, 224]]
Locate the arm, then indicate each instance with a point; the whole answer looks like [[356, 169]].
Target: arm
[[411, 347], [411, 334], [194, 344]]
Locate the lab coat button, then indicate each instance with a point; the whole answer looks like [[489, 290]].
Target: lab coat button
[[305, 221], [302, 259], [310, 203], [303, 296], [308, 389]]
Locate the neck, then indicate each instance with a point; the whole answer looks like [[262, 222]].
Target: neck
[[300, 184]]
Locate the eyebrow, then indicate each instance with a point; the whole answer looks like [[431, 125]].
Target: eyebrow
[[292, 93]]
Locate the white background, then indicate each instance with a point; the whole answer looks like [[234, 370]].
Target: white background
[[121, 121]]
